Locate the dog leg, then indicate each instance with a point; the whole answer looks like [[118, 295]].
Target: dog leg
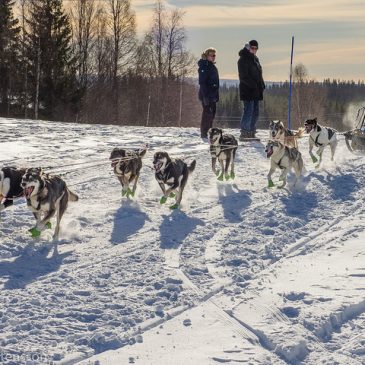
[[228, 161], [270, 182], [42, 224], [282, 177], [319, 153], [131, 193], [214, 161], [221, 176], [311, 145], [164, 197], [333, 146], [232, 174]]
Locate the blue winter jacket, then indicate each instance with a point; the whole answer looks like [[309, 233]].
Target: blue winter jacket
[[208, 82]]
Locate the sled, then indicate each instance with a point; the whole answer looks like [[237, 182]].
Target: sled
[[355, 138]]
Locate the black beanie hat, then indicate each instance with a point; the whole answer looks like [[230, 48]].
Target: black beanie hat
[[253, 43]]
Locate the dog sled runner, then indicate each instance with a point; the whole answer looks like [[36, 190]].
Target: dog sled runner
[[355, 138]]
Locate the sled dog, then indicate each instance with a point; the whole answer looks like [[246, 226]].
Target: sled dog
[[320, 137], [171, 172], [10, 188], [284, 158], [286, 136], [127, 165], [222, 147], [46, 196]]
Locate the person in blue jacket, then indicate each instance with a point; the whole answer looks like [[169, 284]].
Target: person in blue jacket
[[208, 90]]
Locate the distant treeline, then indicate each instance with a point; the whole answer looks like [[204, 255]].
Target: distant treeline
[[333, 102], [81, 61]]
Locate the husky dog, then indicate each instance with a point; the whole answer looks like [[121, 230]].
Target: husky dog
[[223, 147], [284, 158], [46, 195], [10, 188], [171, 172], [127, 165], [286, 136], [320, 137]]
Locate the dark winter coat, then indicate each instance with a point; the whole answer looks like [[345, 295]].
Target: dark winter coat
[[208, 82], [250, 73]]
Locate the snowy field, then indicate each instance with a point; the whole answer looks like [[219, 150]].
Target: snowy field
[[241, 274]]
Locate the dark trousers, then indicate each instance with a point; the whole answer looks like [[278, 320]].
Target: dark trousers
[[250, 115], [207, 118]]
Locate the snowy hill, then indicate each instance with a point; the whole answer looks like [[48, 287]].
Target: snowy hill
[[240, 274]]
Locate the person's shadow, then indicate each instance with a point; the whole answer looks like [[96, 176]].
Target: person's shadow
[[175, 228], [29, 266], [128, 220]]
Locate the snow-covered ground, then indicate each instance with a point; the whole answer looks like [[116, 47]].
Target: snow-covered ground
[[240, 274]]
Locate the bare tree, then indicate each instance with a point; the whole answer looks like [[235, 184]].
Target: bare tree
[[309, 99], [83, 15]]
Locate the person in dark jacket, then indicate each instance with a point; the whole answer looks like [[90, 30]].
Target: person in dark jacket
[[251, 88], [208, 90]]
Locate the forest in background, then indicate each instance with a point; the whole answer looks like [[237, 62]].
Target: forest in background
[[81, 61]]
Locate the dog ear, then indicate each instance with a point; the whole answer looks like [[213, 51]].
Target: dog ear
[[281, 124]]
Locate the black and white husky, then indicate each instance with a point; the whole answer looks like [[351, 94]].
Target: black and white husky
[[127, 165], [10, 188], [46, 196], [171, 172], [284, 158], [222, 147], [287, 137], [321, 137]]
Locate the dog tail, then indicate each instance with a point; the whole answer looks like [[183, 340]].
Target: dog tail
[[300, 132], [191, 167], [72, 196]]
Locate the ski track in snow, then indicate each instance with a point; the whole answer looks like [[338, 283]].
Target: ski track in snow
[[126, 266]]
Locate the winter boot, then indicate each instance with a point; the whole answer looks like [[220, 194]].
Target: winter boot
[[244, 135]]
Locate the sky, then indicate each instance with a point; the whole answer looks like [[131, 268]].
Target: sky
[[329, 35]]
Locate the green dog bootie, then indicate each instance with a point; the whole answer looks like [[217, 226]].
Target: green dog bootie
[[172, 195], [314, 159], [220, 177], [163, 200], [130, 193], [124, 192], [217, 173], [174, 206], [227, 176], [271, 184], [48, 225], [233, 175], [34, 231]]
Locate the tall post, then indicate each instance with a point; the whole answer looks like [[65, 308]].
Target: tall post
[[181, 96], [290, 82]]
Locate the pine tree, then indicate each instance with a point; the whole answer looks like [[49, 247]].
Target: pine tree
[[9, 52], [52, 65]]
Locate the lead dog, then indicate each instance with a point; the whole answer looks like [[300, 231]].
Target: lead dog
[[321, 137], [46, 196], [171, 172], [284, 158], [286, 136], [222, 147], [127, 165], [10, 188]]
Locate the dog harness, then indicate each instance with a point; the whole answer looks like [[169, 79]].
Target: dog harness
[[330, 132]]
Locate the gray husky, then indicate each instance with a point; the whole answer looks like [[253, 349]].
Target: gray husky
[[46, 195], [127, 165], [284, 158], [222, 147], [171, 172], [10, 188]]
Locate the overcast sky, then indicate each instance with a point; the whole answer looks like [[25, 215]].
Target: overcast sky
[[329, 34]]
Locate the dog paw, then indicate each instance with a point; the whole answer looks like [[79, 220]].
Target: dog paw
[[130, 193], [172, 195], [314, 159], [271, 184], [34, 231], [217, 173], [174, 206], [227, 176], [124, 192], [163, 199], [233, 175], [48, 225], [220, 177]]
